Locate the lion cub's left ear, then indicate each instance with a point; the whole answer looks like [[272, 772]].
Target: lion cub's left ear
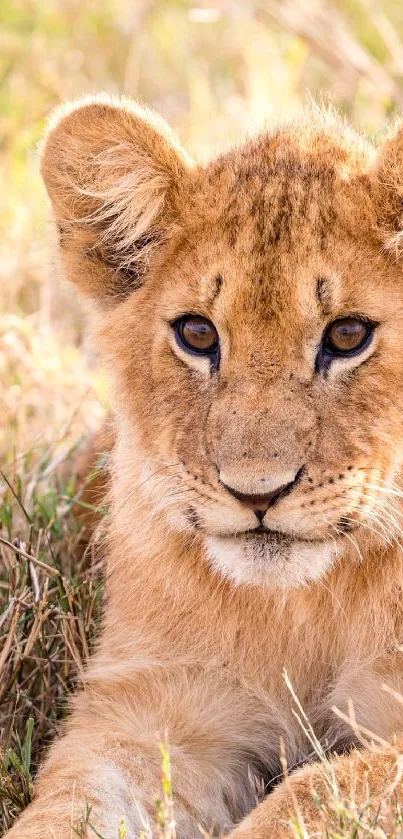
[[389, 190], [115, 175]]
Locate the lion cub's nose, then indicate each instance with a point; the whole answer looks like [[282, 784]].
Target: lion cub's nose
[[260, 503]]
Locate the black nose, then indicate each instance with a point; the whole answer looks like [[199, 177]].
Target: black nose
[[261, 503]]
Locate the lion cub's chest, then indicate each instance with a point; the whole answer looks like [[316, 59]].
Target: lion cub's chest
[[278, 710]]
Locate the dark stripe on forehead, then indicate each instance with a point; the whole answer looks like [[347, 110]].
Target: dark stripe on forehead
[[216, 287], [324, 294]]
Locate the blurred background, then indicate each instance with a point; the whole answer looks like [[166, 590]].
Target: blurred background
[[216, 70]]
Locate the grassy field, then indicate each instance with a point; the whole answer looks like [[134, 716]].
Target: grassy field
[[216, 70]]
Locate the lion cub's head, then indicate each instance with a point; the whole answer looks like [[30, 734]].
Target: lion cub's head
[[253, 309]]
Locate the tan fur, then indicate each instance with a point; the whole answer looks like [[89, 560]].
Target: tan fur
[[90, 469], [271, 241]]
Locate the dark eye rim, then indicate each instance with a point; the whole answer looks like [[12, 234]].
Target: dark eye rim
[[178, 324], [327, 354]]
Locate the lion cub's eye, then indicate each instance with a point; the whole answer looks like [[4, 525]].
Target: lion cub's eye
[[196, 335], [346, 336]]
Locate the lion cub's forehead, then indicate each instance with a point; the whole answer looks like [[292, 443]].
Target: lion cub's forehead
[[274, 215], [277, 182], [270, 218]]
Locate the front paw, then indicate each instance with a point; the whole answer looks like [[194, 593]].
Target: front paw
[[356, 794]]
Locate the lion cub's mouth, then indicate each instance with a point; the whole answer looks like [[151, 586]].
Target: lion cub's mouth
[[274, 537]]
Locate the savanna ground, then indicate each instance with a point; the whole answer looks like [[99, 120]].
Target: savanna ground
[[216, 70]]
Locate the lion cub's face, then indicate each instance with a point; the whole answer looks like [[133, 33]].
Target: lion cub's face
[[258, 347]]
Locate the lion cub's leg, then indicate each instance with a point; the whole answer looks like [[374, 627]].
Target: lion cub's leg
[[80, 790], [108, 767]]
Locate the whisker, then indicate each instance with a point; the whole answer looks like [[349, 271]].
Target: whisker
[[386, 490], [387, 514], [392, 484], [329, 590], [346, 536], [140, 486], [388, 510], [366, 525]]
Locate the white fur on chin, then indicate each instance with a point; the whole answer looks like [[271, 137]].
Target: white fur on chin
[[300, 563]]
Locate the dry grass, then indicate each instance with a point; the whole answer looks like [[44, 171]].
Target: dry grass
[[216, 70], [51, 594]]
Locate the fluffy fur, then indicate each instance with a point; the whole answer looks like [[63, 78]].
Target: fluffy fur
[[271, 241]]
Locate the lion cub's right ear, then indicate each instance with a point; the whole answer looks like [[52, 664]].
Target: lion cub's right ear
[[114, 174]]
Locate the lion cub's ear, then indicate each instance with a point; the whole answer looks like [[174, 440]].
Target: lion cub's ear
[[389, 185], [114, 174]]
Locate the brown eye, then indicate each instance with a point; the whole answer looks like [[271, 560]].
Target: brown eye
[[196, 334], [346, 336]]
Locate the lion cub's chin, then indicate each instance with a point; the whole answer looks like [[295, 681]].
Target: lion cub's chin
[[270, 560]]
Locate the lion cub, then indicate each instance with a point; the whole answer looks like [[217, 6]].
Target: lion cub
[[251, 311]]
